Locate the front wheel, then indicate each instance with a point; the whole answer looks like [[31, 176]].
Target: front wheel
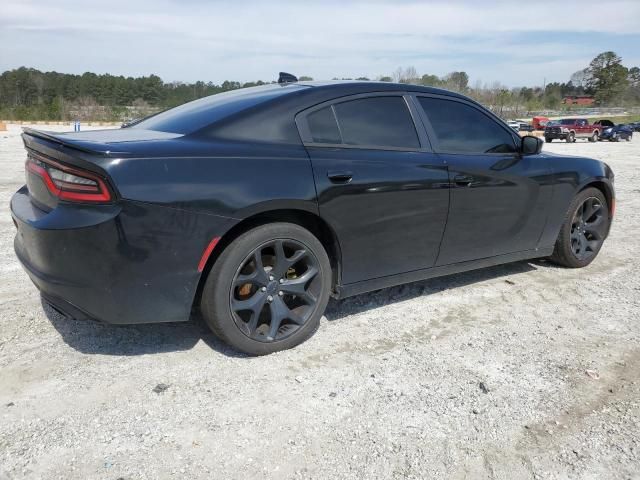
[[594, 137], [268, 289], [548, 140], [583, 231]]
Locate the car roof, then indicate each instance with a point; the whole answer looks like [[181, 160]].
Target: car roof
[[375, 86]]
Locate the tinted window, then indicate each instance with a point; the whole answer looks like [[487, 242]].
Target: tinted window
[[198, 114], [460, 128], [380, 121], [323, 126]]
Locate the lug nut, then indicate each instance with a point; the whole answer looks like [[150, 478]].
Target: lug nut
[[264, 289], [282, 280], [271, 277], [280, 293], [269, 298]]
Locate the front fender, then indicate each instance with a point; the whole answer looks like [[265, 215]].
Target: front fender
[[571, 175]]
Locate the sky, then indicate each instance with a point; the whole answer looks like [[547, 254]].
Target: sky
[[513, 42]]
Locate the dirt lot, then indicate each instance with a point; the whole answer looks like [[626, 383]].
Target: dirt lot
[[520, 371]]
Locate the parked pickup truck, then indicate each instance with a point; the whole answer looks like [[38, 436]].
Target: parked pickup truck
[[569, 129]]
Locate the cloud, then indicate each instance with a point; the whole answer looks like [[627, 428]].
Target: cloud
[[246, 40]]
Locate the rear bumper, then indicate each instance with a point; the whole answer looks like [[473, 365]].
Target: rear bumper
[[125, 263]]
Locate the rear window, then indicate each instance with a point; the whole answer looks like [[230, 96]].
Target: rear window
[[198, 114], [323, 126], [379, 121]]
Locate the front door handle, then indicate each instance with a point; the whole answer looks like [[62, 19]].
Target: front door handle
[[340, 177], [463, 180]]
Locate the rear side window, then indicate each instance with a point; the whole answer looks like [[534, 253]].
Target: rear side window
[[323, 126], [460, 128], [377, 121]]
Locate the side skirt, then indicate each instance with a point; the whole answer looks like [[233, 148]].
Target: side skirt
[[343, 291]]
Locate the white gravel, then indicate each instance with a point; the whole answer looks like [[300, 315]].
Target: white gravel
[[520, 371]]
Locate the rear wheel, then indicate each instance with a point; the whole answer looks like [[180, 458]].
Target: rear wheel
[[594, 137], [571, 137], [268, 289], [548, 140], [583, 231]]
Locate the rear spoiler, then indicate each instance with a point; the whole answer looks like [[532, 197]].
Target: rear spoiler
[[55, 139]]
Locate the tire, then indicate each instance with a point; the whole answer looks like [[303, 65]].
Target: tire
[[571, 137], [548, 140], [594, 137], [570, 249], [235, 281]]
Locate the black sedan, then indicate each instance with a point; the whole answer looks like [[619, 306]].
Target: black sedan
[[257, 205], [617, 133]]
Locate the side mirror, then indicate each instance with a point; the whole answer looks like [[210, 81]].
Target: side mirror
[[530, 145]]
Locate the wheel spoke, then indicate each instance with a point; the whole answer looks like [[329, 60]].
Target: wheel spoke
[[597, 228], [284, 263], [253, 303], [297, 286], [279, 312], [591, 207]]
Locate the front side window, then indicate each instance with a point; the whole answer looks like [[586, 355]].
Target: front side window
[[461, 128]]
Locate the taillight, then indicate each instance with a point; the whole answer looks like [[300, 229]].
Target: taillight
[[68, 183]]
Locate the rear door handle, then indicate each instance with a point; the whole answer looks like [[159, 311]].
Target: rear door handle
[[463, 180], [340, 177]]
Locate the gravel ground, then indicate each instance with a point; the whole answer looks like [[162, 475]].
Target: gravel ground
[[520, 371]]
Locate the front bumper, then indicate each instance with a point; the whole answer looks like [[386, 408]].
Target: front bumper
[[124, 263], [555, 135]]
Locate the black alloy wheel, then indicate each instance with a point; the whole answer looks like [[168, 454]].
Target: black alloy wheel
[[275, 290], [267, 289], [585, 227]]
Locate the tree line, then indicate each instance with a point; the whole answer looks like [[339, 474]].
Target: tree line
[[29, 94]]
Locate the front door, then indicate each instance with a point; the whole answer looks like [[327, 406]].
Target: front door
[[379, 186], [499, 199]]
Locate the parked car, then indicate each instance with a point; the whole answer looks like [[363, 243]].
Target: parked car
[[635, 126], [256, 205], [539, 122], [604, 124], [617, 133], [514, 124], [570, 129]]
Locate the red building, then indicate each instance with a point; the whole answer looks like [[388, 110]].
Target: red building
[[586, 100]]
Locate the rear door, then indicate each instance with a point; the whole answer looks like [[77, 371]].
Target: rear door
[[499, 199], [582, 128], [379, 185]]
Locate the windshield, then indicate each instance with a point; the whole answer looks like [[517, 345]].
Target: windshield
[[196, 115]]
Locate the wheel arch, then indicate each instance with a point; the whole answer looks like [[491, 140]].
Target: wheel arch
[[308, 220], [606, 188]]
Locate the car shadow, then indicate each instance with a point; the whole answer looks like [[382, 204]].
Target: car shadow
[[338, 309], [94, 337]]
